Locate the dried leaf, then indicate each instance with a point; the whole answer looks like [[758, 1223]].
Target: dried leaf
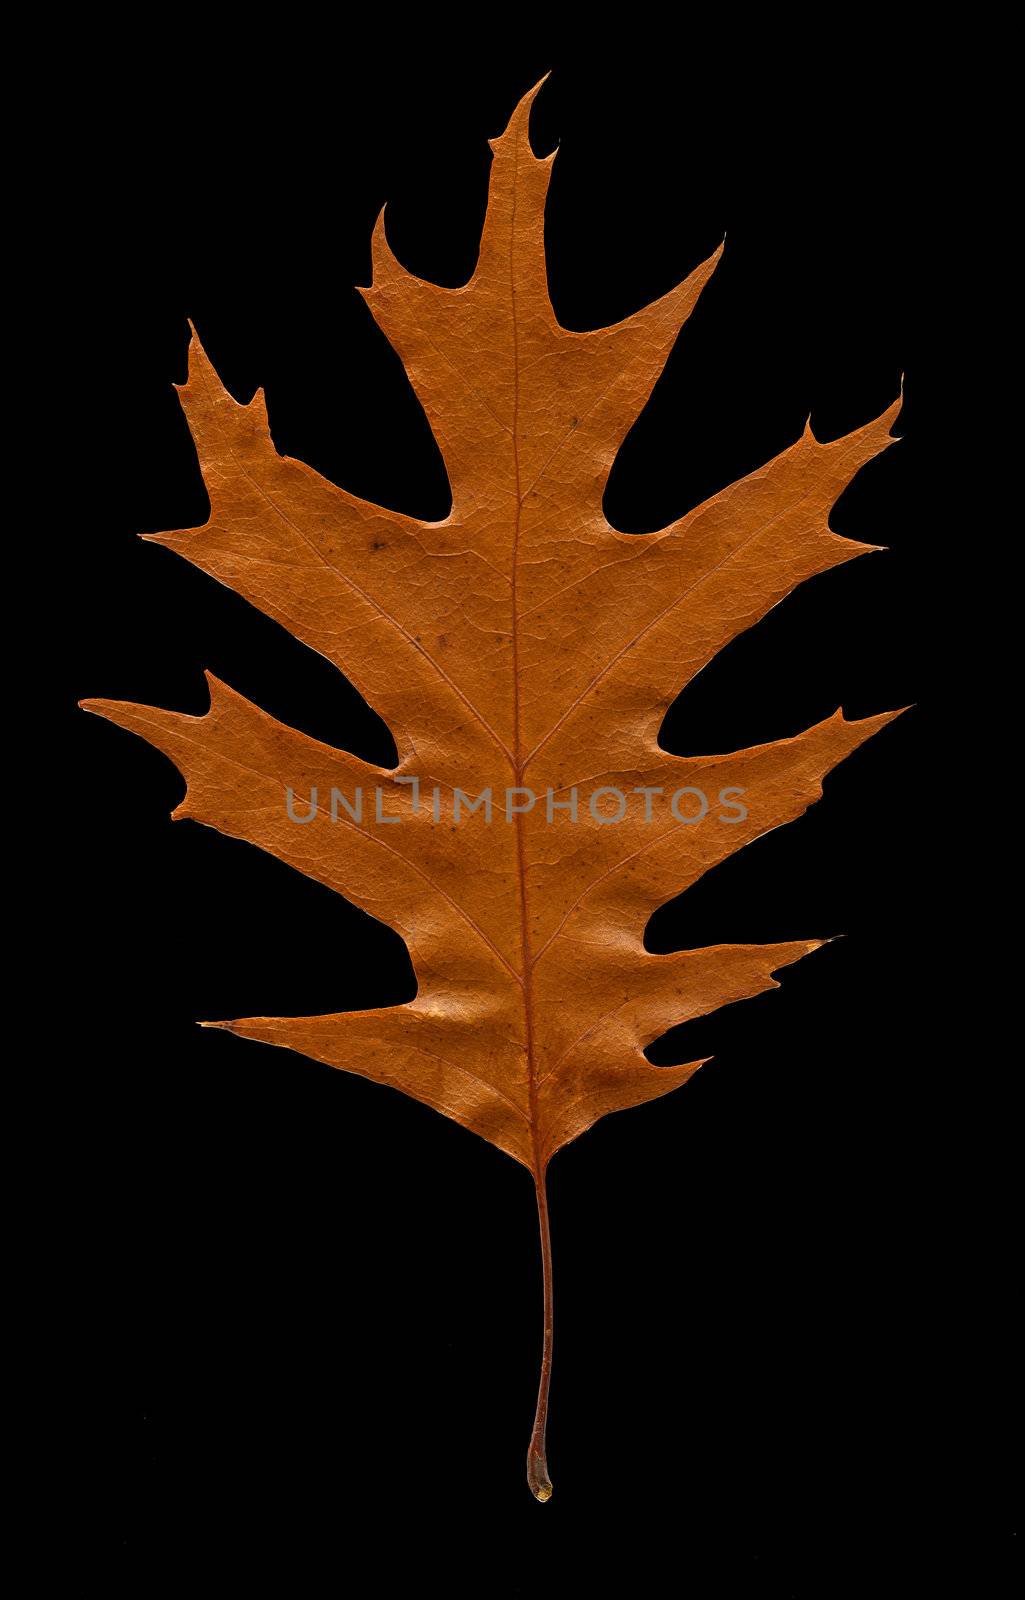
[[519, 644]]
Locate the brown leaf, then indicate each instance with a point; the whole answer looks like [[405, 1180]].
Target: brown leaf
[[519, 644]]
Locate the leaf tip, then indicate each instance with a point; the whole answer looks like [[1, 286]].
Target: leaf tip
[[517, 124], [195, 343], [378, 245], [385, 265], [873, 724], [890, 415]]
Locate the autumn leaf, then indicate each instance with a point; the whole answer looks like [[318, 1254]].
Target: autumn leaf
[[523, 653]]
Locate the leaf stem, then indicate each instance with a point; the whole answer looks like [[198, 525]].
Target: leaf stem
[[537, 1464]]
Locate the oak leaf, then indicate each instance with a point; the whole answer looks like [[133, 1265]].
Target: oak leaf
[[519, 646]]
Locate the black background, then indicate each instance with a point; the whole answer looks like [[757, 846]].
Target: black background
[[305, 1310]]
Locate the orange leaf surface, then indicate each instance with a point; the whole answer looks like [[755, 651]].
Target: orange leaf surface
[[522, 650]]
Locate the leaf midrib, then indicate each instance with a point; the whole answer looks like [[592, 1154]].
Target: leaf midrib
[[527, 960]]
